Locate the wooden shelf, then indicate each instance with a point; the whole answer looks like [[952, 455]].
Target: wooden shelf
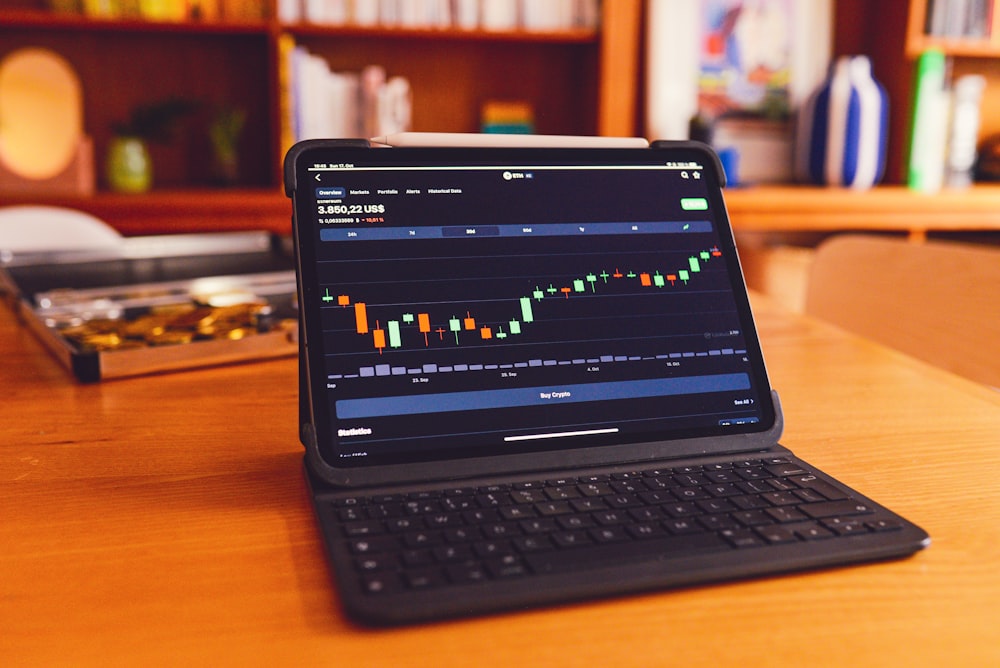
[[37, 18], [882, 209], [761, 209], [180, 211]]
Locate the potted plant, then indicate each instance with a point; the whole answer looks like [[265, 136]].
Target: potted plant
[[224, 132], [129, 167]]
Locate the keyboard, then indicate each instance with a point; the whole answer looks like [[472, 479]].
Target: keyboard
[[462, 536]]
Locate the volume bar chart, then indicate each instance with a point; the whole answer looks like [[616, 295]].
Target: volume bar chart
[[382, 370]]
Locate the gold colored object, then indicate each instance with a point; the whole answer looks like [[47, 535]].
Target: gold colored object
[[169, 325]]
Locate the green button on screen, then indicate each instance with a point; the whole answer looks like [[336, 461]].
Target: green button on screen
[[694, 203]]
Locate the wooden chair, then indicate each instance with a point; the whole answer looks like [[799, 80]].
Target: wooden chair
[[936, 301]]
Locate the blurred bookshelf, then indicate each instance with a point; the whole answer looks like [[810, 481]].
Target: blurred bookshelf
[[577, 79]]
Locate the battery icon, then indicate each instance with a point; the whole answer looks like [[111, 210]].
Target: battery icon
[[694, 203]]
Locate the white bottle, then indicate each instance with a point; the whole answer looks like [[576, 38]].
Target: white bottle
[[964, 130]]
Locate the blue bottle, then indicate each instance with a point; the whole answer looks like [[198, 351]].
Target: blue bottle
[[842, 130]]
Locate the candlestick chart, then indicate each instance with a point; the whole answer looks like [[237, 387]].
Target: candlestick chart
[[497, 305]]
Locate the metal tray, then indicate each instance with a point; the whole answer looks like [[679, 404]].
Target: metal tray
[[158, 303]]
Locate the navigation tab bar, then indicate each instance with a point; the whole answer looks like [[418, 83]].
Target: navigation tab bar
[[375, 233]]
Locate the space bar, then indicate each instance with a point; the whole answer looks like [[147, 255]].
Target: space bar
[[616, 553]]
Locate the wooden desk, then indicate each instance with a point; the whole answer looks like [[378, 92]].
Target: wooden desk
[[165, 521]]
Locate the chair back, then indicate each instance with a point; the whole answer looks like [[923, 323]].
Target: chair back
[[937, 301]]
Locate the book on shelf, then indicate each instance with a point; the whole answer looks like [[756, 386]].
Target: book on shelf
[[496, 15], [319, 102], [167, 10], [962, 19]]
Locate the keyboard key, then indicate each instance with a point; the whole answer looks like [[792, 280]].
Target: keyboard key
[[459, 503], [402, 524], [752, 518], [377, 562], [643, 550], [528, 496], [722, 476], [462, 534], [718, 522], [726, 489], [370, 528], [467, 573], [573, 522], [657, 498], [372, 545], [690, 493], [424, 579], [809, 495], [595, 489], [756, 486], [413, 558], [517, 512], [628, 486], [570, 538], [749, 502], [775, 534], [782, 484], [588, 505], [622, 501], [493, 548], [781, 498], [610, 517], [441, 520], [785, 514], [423, 538], [884, 525], [785, 469], [553, 508], [562, 493], [742, 538], [382, 583], [814, 533], [613, 534], [826, 489], [532, 543], [452, 553], [492, 499], [712, 506], [683, 526], [535, 526], [645, 530], [681, 509], [753, 473], [352, 514], [481, 516], [645, 514], [844, 526], [846, 507], [501, 530], [507, 566], [690, 479]]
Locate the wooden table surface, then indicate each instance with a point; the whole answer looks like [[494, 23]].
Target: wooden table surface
[[165, 521]]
